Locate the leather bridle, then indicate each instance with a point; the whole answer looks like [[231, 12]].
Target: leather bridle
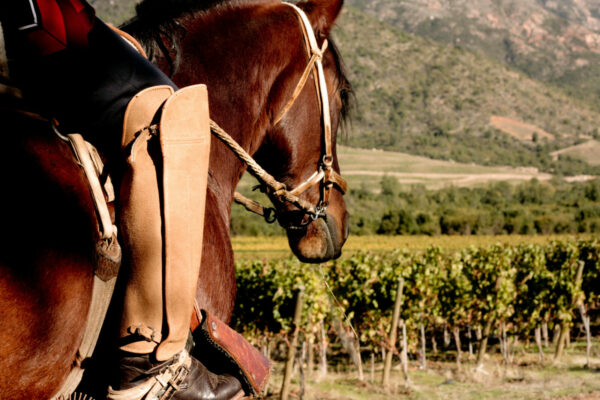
[[325, 176]]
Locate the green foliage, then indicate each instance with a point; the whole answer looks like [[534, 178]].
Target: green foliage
[[424, 98], [267, 295], [491, 273], [534, 285], [558, 56], [522, 285], [562, 261], [527, 208]]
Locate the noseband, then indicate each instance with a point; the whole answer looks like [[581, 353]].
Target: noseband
[[325, 176]]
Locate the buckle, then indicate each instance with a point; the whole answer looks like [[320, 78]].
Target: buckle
[[148, 333], [174, 384]]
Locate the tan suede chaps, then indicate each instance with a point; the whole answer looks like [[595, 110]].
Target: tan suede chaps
[[166, 137]]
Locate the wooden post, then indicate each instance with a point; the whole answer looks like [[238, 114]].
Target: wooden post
[[447, 339], [393, 333], [358, 358], [352, 346], [456, 333], [487, 329], [588, 333], [372, 380], [470, 337], [561, 341], [404, 354], [289, 364], [538, 342], [322, 353], [310, 363], [301, 363], [504, 341], [423, 365]]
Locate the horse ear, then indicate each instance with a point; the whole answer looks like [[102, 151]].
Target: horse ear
[[322, 14]]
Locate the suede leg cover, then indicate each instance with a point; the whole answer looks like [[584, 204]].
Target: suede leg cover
[[140, 221], [185, 141]]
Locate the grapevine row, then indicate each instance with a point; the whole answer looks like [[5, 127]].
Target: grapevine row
[[511, 290]]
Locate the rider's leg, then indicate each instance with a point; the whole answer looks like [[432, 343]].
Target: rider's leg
[[179, 143], [88, 86]]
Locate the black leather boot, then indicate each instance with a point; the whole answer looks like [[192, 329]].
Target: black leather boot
[[183, 377]]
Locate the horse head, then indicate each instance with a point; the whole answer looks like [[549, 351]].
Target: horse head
[[252, 54], [300, 141]]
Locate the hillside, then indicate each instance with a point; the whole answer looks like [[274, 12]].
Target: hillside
[[588, 151], [114, 11], [422, 97], [552, 40], [419, 97], [366, 168]]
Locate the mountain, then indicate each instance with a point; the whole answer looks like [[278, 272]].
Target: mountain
[[421, 97], [556, 41], [418, 96]]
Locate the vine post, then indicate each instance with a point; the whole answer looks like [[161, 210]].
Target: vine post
[[538, 342], [393, 333], [588, 333], [322, 352], [404, 353], [574, 293], [289, 364]]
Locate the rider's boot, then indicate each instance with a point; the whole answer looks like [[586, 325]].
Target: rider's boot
[[166, 137]]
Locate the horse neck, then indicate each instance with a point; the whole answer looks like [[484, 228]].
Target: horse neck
[[239, 71]]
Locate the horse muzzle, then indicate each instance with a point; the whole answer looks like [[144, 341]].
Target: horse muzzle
[[319, 241]]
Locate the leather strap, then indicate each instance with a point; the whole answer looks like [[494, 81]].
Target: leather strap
[[107, 265], [325, 175]]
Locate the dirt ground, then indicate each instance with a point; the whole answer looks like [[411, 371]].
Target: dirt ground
[[526, 379]]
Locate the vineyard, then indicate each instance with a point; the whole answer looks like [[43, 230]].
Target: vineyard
[[442, 303]]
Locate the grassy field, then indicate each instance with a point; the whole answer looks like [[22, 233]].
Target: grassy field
[[365, 168], [276, 247], [526, 379], [518, 129], [587, 151]]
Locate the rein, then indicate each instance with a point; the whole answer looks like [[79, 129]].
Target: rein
[[325, 175]]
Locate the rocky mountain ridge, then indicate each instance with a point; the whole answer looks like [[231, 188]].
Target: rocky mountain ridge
[[443, 101], [556, 41]]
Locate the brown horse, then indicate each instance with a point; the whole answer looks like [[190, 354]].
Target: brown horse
[[251, 54]]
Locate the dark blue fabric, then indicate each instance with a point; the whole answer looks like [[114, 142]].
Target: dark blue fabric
[[86, 89]]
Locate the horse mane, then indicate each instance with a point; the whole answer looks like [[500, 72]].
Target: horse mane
[[159, 11], [157, 19]]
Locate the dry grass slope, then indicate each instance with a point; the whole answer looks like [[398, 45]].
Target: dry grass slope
[[363, 167], [518, 129], [588, 151]]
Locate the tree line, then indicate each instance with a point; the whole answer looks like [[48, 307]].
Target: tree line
[[529, 208]]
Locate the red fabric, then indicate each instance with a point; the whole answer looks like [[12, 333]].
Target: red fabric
[[62, 24]]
